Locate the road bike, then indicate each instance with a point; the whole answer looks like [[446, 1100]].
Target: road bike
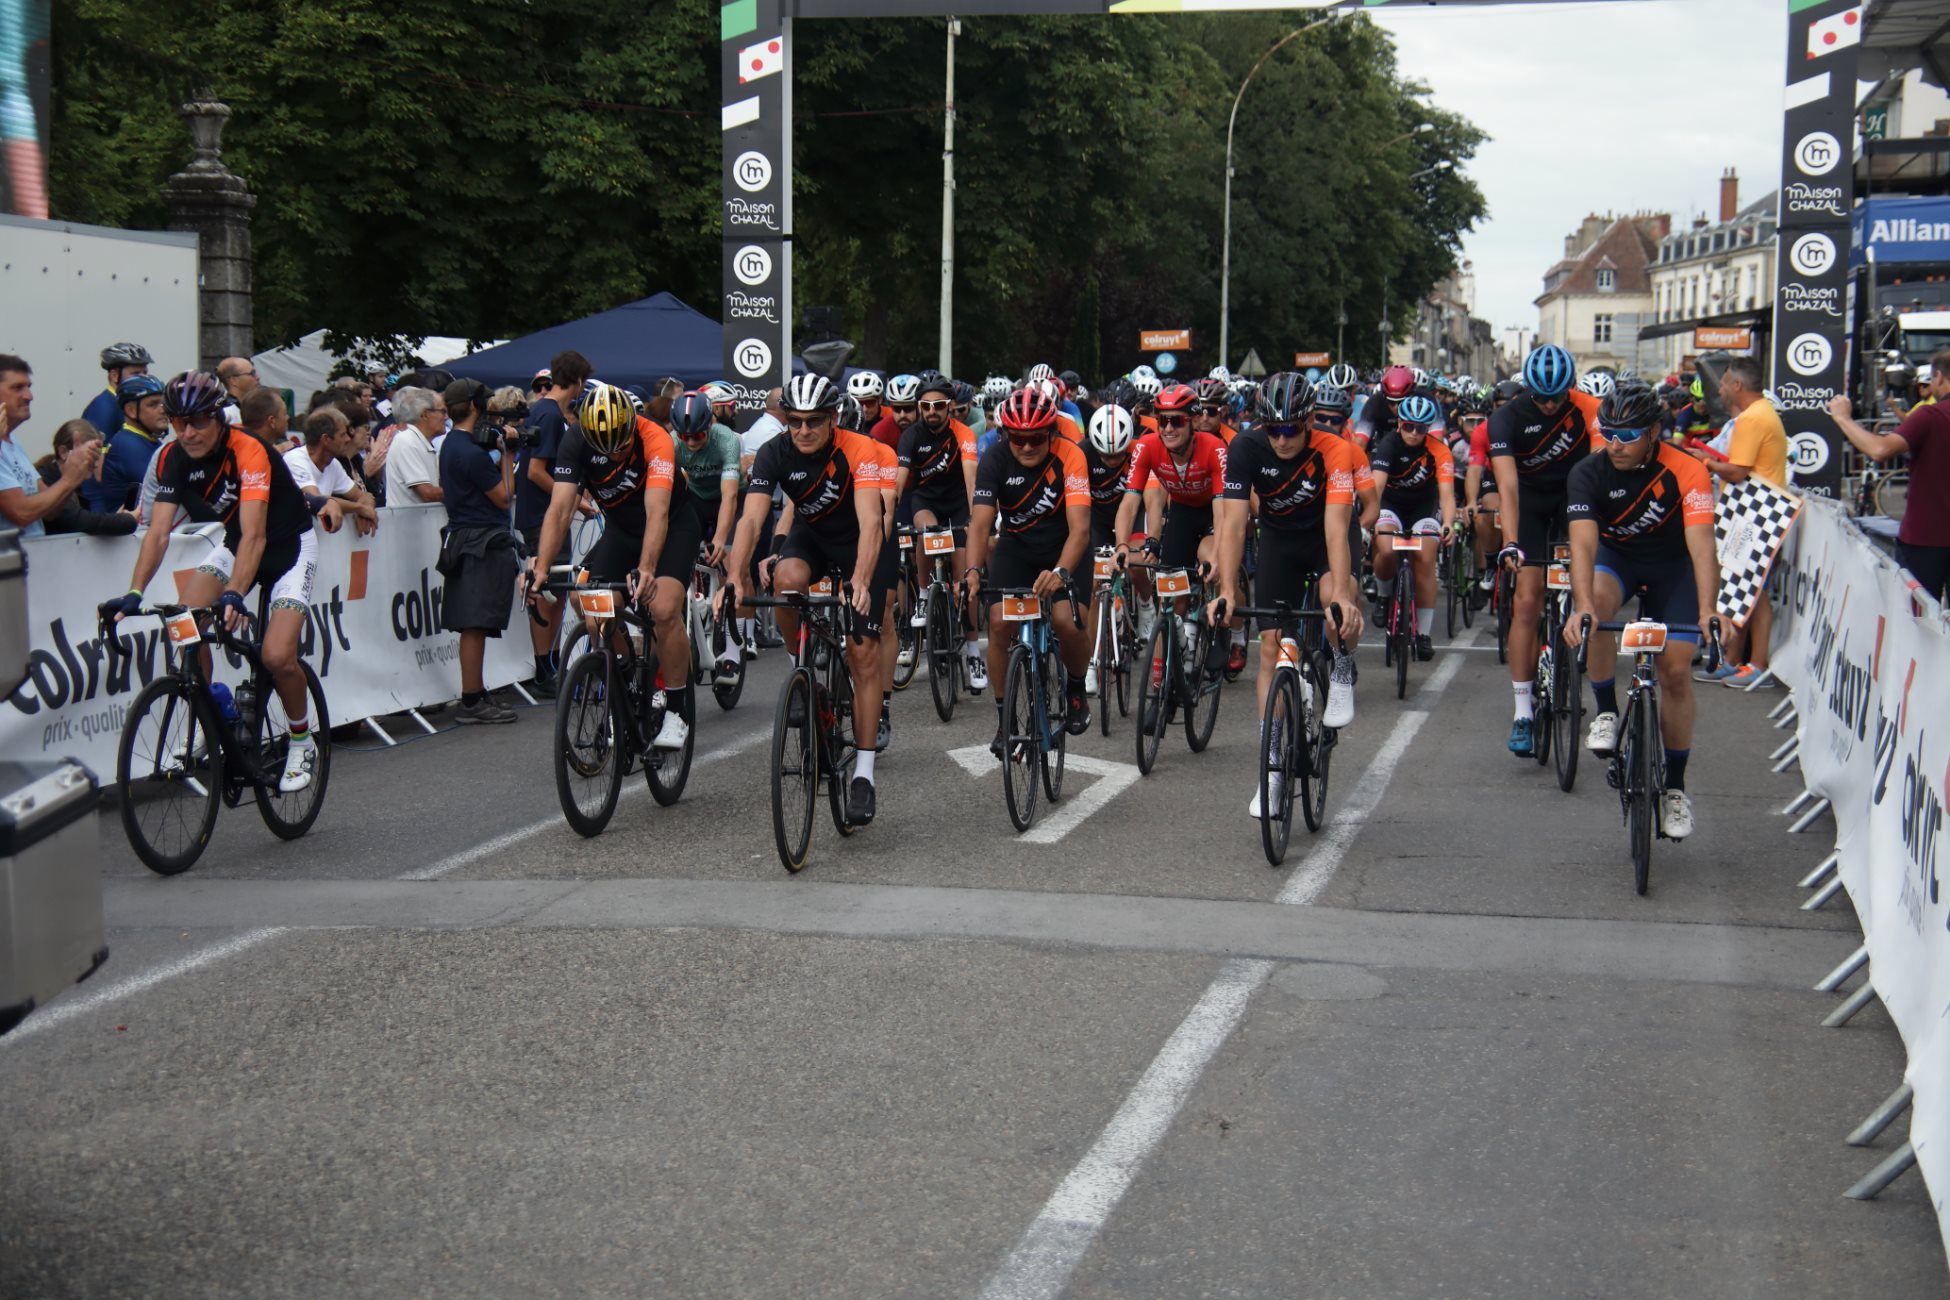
[[1398, 628], [907, 599], [1455, 572], [941, 612], [610, 703], [812, 729], [1296, 748], [1638, 763], [1556, 683], [717, 659], [1503, 600], [1116, 644], [1176, 673], [178, 755], [1035, 708]]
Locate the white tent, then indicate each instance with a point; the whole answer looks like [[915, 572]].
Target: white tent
[[307, 365]]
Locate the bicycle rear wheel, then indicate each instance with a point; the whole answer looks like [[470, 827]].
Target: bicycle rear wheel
[[1103, 653], [588, 758], [1202, 689], [908, 637], [944, 655], [1445, 577], [1019, 740], [1318, 756], [1277, 765], [1543, 702], [795, 769], [1401, 627], [666, 770], [1466, 577], [1567, 715], [1127, 652], [291, 815], [169, 770], [1154, 687]]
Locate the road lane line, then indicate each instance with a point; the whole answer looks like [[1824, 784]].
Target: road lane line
[[1040, 1265]]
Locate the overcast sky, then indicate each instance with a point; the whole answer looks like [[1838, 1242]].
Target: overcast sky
[[1616, 107]]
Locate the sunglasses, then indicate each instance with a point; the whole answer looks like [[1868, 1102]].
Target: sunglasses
[[1207, 412], [1623, 437], [1329, 423], [1028, 440], [906, 408], [1174, 422], [935, 406], [807, 421], [1406, 427], [199, 421], [541, 382], [1282, 431]]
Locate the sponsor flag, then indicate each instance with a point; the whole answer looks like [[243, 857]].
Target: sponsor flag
[[761, 60], [1837, 32]]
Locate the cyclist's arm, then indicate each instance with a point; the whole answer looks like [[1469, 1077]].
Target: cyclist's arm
[[866, 505], [981, 527], [1229, 522], [555, 524], [1340, 563], [1505, 469], [751, 520], [250, 544], [1445, 486], [1472, 486], [727, 513], [1076, 547], [1126, 516], [1584, 559], [541, 474], [149, 557], [1706, 570]]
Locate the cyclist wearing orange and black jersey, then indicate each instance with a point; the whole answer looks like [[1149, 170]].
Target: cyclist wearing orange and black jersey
[[1415, 470], [937, 460]]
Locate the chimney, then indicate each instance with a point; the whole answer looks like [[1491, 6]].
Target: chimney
[[1729, 195]]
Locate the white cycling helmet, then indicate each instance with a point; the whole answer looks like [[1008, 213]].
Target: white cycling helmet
[[1142, 373], [1597, 383], [1111, 430], [810, 393], [1040, 371], [1052, 388], [863, 385], [718, 392], [1341, 375], [1146, 384], [997, 386], [904, 389], [1219, 372]]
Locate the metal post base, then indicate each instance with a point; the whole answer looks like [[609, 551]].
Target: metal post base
[[522, 691], [432, 730], [1793, 756], [1761, 678], [1800, 801], [1879, 1118], [1856, 1001], [373, 726], [1809, 818], [1834, 979], [1821, 898], [1785, 706], [1793, 716], [1786, 747], [1815, 877], [1883, 1174]]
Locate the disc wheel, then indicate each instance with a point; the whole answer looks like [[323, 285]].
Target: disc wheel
[[1202, 688], [944, 655], [588, 759], [1056, 708], [1153, 700], [1567, 716], [795, 769], [667, 770], [291, 815], [169, 768], [1277, 765], [1019, 745]]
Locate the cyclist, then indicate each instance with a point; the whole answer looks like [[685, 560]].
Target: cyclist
[[1107, 455], [121, 362], [833, 483], [708, 453], [865, 387], [134, 445], [937, 464], [1596, 383], [1303, 482], [1212, 402], [1376, 418], [1641, 520], [1416, 474], [627, 464], [1340, 375], [1535, 442], [1480, 501], [1035, 489], [218, 473], [1330, 417]]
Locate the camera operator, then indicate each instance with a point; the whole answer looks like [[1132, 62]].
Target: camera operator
[[556, 394], [477, 552]]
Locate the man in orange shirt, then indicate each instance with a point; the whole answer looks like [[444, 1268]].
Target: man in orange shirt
[[1756, 446]]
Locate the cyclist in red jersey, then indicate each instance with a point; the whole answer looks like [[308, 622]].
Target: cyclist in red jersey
[[1191, 468]]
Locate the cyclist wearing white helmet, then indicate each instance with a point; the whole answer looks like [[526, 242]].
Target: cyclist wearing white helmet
[[865, 388], [1107, 453], [1597, 383], [1341, 375]]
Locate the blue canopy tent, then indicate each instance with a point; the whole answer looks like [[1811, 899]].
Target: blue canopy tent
[[637, 343]]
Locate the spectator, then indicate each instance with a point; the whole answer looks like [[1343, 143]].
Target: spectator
[[477, 554], [662, 394], [239, 375], [358, 420], [1923, 539], [128, 453], [1756, 446], [263, 415], [24, 501], [763, 429], [535, 480], [316, 469], [120, 362], [412, 468], [72, 517]]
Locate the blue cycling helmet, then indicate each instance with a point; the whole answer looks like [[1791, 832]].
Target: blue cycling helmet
[[1418, 410], [137, 387], [1549, 371]]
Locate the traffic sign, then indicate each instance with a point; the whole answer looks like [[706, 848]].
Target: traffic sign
[[1252, 367], [1166, 362]]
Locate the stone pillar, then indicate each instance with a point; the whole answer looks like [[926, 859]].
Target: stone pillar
[[210, 201]]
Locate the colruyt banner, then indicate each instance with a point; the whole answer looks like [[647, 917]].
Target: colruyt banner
[[373, 638], [1869, 661]]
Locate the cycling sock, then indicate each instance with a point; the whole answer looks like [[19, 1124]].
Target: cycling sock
[[1607, 696], [969, 648], [1239, 635], [863, 766], [1424, 622], [472, 697], [1521, 690], [1269, 731], [301, 731], [1676, 768], [675, 700]]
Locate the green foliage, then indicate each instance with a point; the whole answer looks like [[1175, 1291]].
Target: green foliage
[[482, 169]]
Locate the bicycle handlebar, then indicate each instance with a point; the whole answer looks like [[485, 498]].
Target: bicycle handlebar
[[106, 621], [1588, 625], [1283, 612]]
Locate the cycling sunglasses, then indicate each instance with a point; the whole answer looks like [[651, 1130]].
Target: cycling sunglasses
[[935, 406], [1174, 422], [819, 421], [1623, 437], [907, 407], [1327, 423], [1407, 426], [1029, 438], [1282, 431]]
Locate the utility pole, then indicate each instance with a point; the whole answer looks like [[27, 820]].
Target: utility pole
[[948, 213], [1340, 330]]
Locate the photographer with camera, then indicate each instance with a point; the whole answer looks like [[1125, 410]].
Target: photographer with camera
[[477, 552]]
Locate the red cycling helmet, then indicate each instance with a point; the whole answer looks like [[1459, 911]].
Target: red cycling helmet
[[1178, 397], [1397, 382], [1029, 407]]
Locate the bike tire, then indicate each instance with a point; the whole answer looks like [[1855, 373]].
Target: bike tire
[[667, 770], [290, 815], [1505, 592], [587, 744], [1543, 703], [1051, 757], [1283, 711], [1202, 695], [1150, 697], [944, 656], [795, 769], [1103, 655], [1126, 633], [727, 694], [836, 720], [1567, 712], [1639, 778], [1318, 758], [143, 781], [1400, 630], [1467, 576], [908, 638], [1449, 586], [1019, 741]]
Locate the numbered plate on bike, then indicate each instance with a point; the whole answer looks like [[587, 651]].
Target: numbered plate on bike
[[938, 543], [1558, 576], [1405, 542], [1106, 568], [594, 606], [1021, 609], [1289, 653], [1174, 582], [907, 541], [824, 587], [1644, 638], [1561, 553], [183, 629]]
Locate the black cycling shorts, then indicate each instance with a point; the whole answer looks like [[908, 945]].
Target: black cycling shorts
[[614, 556], [1667, 589], [1289, 566], [948, 505], [1014, 565], [1185, 527], [837, 556], [1540, 523]]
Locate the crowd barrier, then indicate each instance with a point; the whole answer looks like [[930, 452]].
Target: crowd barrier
[[1867, 659], [373, 637]]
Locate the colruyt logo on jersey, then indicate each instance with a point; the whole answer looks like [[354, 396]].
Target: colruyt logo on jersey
[[1821, 200], [1802, 397]]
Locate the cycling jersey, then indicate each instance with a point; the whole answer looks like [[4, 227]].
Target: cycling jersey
[[1357, 459], [1479, 450], [238, 468], [821, 487], [1293, 494], [712, 465], [1193, 483], [1068, 427], [1414, 474], [617, 483], [1643, 513], [1031, 504], [1546, 448], [1106, 494], [934, 458]]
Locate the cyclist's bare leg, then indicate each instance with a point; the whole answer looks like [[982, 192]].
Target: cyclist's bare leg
[[670, 606], [1072, 641], [1677, 704], [1002, 635], [863, 666], [1523, 622], [1385, 559], [1487, 536], [1425, 575], [790, 575], [279, 651], [1601, 660]]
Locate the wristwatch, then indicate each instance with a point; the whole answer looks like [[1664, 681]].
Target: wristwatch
[[1062, 575]]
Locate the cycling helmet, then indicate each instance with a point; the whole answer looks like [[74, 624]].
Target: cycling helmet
[[1029, 407], [1212, 391], [690, 415], [1475, 403], [719, 393], [117, 355], [1121, 392], [1697, 390], [1111, 429], [1179, 397], [1506, 389], [1595, 382], [1340, 375], [936, 382], [1421, 376], [1286, 398], [1219, 373], [636, 398], [811, 393], [1329, 398], [996, 387], [1040, 371], [137, 387], [194, 392], [607, 419], [851, 414], [1148, 386], [1143, 373], [864, 384], [1549, 371], [1397, 382], [1071, 380], [964, 394], [904, 390], [1631, 405], [1418, 410]]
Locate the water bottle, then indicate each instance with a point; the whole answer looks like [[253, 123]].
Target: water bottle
[[226, 705], [246, 702]]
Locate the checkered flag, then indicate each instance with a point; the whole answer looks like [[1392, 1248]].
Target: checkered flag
[[1750, 521]]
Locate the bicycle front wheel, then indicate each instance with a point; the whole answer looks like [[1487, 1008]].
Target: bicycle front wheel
[[1402, 627], [1318, 755], [667, 770], [291, 815], [1019, 740], [1202, 687], [1567, 715], [795, 769], [1053, 725], [1543, 702], [1282, 734], [1154, 691], [1105, 656], [169, 774], [1644, 798], [588, 761], [944, 654], [1506, 589]]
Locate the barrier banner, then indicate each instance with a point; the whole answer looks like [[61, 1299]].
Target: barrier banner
[[373, 638], [1869, 659]]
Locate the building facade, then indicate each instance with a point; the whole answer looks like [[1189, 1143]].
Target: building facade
[[1447, 339], [1716, 277], [1599, 294]]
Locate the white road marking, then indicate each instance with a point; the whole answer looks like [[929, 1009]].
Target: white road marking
[[1040, 1265], [1068, 813]]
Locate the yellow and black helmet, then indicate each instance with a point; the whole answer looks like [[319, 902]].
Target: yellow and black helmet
[[607, 419]]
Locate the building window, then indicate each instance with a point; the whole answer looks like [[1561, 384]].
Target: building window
[[1601, 328], [1607, 280]]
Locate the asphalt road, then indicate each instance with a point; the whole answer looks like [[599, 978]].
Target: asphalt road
[[444, 1046]]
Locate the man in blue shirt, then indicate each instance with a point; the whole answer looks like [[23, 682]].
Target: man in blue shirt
[[24, 502], [121, 361], [478, 560], [128, 453]]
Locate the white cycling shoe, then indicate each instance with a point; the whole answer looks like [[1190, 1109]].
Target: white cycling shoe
[[1340, 704], [673, 733], [1675, 815], [1601, 737], [300, 761], [1278, 785]]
